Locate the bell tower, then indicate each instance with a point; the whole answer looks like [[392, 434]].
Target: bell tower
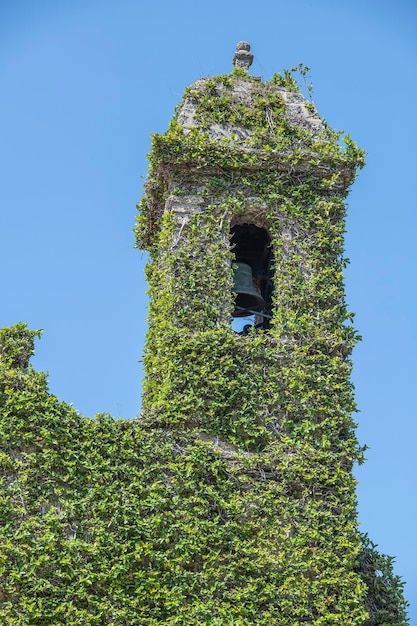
[[243, 217]]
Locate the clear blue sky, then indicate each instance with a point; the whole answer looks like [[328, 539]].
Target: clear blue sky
[[85, 82]]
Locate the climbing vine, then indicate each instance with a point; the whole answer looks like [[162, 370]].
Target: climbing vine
[[112, 522], [283, 398], [231, 501]]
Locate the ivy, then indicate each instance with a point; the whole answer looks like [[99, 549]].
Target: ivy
[[279, 404], [113, 522], [231, 500]]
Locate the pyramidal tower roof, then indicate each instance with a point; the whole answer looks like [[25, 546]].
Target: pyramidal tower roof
[[246, 106]]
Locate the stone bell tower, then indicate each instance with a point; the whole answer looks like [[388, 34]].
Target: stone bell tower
[[243, 216]]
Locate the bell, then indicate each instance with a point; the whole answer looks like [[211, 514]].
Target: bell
[[247, 298]]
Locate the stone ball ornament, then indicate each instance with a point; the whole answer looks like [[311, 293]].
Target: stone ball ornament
[[243, 57]]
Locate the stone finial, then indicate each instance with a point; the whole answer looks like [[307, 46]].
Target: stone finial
[[243, 57]]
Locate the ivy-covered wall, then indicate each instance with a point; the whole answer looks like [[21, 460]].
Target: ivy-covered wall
[[231, 501], [119, 523]]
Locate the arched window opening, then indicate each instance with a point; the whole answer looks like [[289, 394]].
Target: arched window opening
[[253, 283]]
